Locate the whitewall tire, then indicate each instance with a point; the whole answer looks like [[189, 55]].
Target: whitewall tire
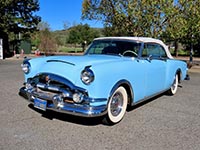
[[174, 86], [116, 106]]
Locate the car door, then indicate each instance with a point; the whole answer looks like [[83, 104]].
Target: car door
[[155, 62]]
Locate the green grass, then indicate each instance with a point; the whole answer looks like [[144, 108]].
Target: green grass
[[181, 52], [70, 49]]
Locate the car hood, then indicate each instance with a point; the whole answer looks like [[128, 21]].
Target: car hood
[[84, 60], [69, 67]]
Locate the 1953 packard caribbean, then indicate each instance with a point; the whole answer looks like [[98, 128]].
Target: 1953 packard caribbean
[[114, 72]]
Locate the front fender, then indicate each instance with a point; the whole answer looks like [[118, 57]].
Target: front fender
[[107, 80]]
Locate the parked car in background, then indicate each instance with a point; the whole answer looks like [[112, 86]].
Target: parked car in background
[[113, 73]]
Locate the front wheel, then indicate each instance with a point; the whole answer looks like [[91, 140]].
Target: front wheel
[[116, 106], [174, 86]]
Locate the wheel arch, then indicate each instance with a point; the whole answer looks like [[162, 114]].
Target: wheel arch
[[127, 85]]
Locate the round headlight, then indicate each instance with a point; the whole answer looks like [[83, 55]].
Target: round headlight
[[26, 67], [87, 76]]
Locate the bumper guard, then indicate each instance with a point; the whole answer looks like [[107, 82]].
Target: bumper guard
[[84, 110]]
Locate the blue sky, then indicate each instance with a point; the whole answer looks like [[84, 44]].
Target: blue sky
[[56, 12]]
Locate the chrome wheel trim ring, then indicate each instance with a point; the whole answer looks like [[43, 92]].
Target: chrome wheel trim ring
[[116, 104], [175, 85], [117, 109]]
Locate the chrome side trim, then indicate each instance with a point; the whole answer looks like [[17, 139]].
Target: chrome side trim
[[147, 98], [66, 62]]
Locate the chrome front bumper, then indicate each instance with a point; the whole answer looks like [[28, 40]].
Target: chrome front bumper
[[86, 110]]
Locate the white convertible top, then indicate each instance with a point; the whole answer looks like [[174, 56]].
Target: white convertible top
[[140, 39]]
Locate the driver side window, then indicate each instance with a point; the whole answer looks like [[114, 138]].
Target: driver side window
[[154, 50]]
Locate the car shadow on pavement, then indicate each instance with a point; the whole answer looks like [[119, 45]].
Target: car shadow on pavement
[[49, 114], [142, 103]]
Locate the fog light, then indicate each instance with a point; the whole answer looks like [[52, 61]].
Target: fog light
[[58, 101], [77, 97]]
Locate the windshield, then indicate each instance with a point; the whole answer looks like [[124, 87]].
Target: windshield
[[114, 47]]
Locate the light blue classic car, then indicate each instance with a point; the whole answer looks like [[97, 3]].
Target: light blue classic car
[[113, 73]]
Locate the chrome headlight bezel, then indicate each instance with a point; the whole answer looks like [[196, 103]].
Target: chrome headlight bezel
[[26, 67], [87, 76]]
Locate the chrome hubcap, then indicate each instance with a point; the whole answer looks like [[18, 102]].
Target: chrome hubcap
[[116, 104]]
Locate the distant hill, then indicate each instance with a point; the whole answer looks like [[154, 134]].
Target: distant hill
[[62, 35]]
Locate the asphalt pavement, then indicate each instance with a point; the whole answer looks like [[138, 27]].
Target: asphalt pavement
[[163, 123]]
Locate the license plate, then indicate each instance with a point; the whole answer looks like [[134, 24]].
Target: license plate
[[40, 104]]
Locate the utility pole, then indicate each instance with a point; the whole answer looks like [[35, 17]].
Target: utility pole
[[191, 50], [1, 49]]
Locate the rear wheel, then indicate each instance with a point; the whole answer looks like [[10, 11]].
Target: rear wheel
[[116, 106], [174, 86]]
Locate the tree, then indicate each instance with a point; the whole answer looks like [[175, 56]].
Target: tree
[[47, 42], [17, 16], [126, 17], [66, 25], [184, 26], [81, 33], [176, 20]]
